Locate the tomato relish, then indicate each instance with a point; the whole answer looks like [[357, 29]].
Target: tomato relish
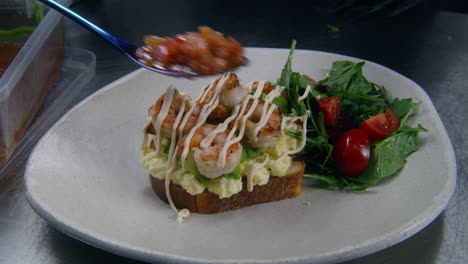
[[206, 51]]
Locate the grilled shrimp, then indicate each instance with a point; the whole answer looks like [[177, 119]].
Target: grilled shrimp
[[168, 123], [267, 87], [207, 158], [263, 137], [232, 93]]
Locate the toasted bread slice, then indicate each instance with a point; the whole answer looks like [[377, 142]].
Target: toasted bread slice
[[277, 188]]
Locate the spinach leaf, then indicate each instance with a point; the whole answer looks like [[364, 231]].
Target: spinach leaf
[[359, 97], [389, 155], [346, 78], [404, 109], [360, 110]]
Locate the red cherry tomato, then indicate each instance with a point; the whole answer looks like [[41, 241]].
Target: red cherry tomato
[[381, 125], [330, 108], [351, 152]]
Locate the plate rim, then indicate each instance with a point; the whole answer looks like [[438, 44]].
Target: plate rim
[[383, 241]]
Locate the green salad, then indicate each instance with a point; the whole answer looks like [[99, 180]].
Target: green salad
[[357, 135]]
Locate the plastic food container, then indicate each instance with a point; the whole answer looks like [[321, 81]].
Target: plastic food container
[[77, 70], [25, 82]]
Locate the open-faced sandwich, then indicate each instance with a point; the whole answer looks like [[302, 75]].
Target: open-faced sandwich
[[224, 150], [235, 145]]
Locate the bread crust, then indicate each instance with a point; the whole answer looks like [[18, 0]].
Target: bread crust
[[277, 188]]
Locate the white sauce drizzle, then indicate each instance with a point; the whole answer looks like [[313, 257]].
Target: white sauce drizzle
[[173, 155], [184, 213], [304, 134], [157, 123], [204, 113], [268, 109], [144, 144], [243, 118], [306, 92], [253, 168]]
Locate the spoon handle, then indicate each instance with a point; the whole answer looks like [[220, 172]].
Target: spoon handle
[[117, 42]]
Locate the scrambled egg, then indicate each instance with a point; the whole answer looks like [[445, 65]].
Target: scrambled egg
[[157, 166], [285, 143], [279, 168], [260, 176], [223, 186]]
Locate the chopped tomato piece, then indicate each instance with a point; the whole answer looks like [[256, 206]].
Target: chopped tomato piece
[[381, 125], [166, 51], [330, 108]]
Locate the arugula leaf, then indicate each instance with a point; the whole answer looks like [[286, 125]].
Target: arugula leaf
[[333, 182], [404, 109], [287, 70], [191, 166], [296, 85], [389, 155], [330, 182], [346, 77], [294, 93], [282, 103], [250, 153], [380, 93]]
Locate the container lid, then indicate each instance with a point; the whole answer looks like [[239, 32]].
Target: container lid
[[28, 52]]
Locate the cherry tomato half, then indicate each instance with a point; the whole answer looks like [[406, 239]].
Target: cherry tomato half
[[351, 152], [330, 108], [381, 125], [392, 119]]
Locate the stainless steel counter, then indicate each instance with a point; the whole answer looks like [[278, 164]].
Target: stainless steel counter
[[425, 43]]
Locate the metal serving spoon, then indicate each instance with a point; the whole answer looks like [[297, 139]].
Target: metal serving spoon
[[123, 46]]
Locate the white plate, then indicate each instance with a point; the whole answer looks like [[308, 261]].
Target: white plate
[[84, 178]]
